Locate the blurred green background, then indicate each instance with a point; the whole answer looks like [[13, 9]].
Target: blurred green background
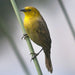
[[63, 43]]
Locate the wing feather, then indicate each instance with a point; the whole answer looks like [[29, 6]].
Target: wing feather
[[43, 33]]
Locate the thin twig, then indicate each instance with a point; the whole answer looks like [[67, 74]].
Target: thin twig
[[27, 39], [67, 17]]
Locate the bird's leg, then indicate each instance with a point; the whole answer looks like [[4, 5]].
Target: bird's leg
[[35, 54], [24, 36]]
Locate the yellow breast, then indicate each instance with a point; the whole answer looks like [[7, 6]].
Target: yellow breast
[[31, 27]]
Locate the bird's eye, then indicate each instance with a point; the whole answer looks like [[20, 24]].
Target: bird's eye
[[29, 10]]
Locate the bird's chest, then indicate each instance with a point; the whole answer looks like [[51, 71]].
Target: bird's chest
[[31, 28]]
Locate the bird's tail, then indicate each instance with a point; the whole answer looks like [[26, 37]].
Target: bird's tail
[[48, 63]]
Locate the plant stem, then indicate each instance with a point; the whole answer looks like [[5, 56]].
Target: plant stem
[[24, 32], [67, 17]]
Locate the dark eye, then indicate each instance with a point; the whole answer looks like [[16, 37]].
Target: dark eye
[[29, 10]]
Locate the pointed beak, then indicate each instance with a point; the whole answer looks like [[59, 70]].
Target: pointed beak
[[23, 10]]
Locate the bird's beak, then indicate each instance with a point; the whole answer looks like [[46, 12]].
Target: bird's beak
[[23, 10]]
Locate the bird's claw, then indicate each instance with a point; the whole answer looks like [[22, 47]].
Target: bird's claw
[[24, 36], [34, 55]]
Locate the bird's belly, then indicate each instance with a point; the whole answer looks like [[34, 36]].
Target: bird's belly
[[33, 35]]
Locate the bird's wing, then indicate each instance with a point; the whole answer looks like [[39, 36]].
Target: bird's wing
[[44, 33]]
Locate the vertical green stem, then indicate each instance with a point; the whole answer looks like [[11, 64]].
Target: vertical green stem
[[27, 39], [67, 17]]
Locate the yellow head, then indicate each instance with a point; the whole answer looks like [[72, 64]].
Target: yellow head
[[30, 11]]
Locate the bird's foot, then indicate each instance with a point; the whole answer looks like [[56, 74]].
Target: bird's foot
[[24, 36], [35, 54]]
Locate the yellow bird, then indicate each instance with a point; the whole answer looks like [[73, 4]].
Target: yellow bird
[[37, 30]]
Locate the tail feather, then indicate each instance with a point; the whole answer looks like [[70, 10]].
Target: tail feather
[[48, 63]]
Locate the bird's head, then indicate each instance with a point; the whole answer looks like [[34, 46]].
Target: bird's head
[[30, 11]]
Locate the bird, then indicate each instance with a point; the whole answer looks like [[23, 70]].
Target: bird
[[37, 30]]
